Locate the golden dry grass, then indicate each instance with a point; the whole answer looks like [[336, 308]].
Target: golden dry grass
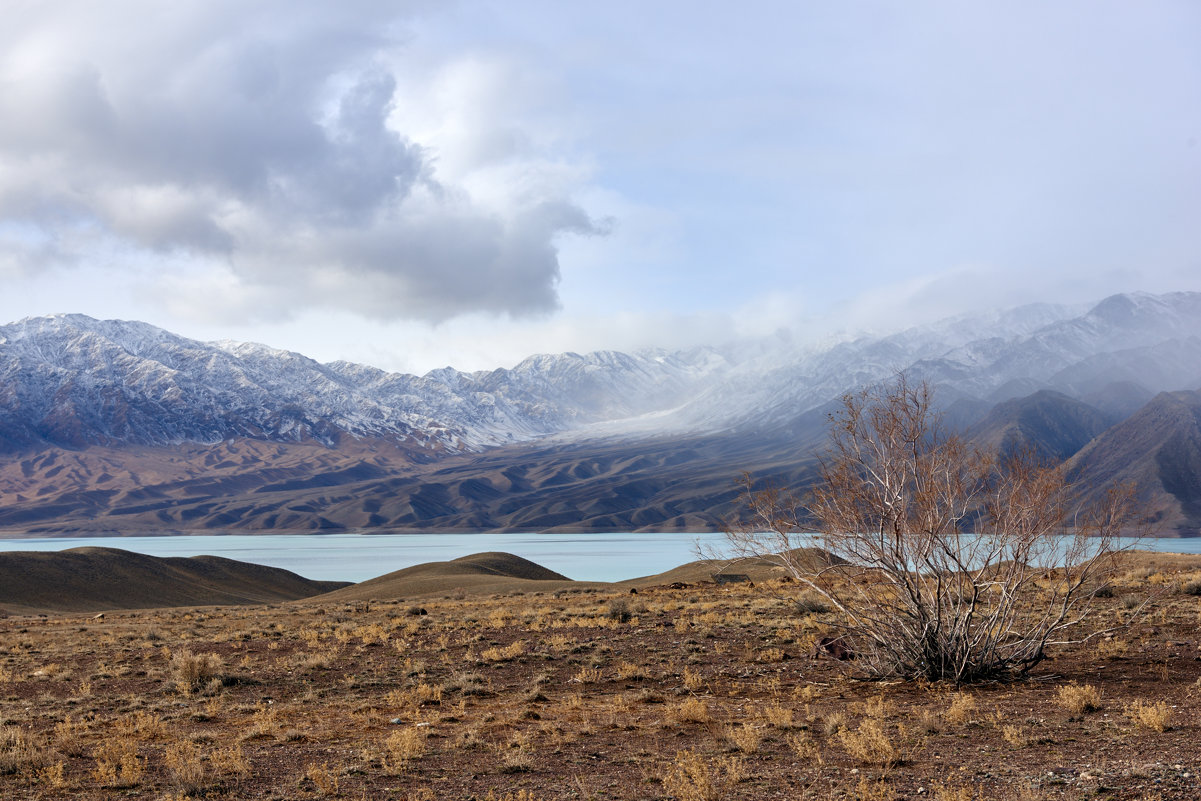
[[702, 692]]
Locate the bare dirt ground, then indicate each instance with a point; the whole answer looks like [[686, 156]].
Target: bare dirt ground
[[703, 692]]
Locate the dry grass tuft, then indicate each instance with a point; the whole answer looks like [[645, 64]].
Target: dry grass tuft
[[961, 709], [402, 749], [744, 738], [194, 672], [778, 716], [1014, 736], [1078, 699], [324, 779], [690, 710], [691, 778], [1114, 648], [506, 654], [118, 764], [1156, 716], [21, 753], [871, 744], [186, 767], [230, 761]]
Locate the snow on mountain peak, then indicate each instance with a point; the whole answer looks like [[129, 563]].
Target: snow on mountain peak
[[70, 379]]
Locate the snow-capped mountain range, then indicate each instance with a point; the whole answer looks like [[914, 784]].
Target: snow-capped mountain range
[[121, 427], [73, 381]]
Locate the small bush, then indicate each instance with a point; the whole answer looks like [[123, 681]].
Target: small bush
[[506, 654], [325, 780], [778, 716], [1015, 736], [744, 738], [987, 609], [1191, 587], [118, 764], [770, 655], [186, 767], [230, 762]]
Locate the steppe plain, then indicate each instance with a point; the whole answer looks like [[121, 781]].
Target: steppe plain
[[490, 678]]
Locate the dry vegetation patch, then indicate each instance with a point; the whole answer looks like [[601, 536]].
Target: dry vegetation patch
[[701, 692]]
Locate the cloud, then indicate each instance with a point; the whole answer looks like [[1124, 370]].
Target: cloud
[[265, 142]]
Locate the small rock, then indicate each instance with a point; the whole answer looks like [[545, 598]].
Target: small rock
[[395, 721]]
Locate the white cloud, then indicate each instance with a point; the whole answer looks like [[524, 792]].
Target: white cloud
[[271, 141]]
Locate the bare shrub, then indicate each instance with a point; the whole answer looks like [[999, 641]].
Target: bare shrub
[[943, 562]]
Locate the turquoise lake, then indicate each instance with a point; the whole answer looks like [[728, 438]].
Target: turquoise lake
[[358, 557]]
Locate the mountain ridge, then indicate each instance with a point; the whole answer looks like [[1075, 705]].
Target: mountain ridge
[[115, 426]]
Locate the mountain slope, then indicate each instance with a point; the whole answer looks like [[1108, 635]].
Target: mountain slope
[[1157, 450], [1049, 425]]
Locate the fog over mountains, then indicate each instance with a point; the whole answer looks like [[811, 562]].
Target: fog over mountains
[[121, 426]]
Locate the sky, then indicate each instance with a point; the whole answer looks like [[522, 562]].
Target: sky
[[420, 184]]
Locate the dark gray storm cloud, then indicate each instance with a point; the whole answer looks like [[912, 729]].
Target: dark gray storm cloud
[[261, 138]]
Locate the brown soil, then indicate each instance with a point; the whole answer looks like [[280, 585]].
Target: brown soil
[[704, 692]]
